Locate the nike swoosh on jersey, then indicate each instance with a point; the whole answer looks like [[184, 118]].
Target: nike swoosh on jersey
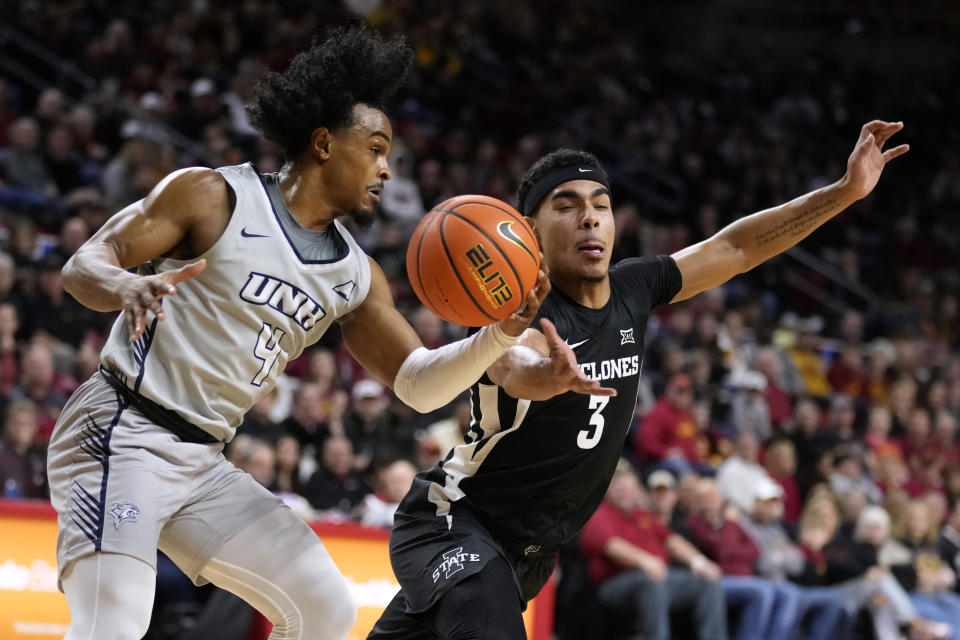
[[576, 344], [244, 233]]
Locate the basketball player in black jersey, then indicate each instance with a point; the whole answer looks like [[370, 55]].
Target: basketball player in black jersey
[[477, 535]]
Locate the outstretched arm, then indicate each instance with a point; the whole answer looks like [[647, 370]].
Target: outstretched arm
[[749, 241], [386, 345]]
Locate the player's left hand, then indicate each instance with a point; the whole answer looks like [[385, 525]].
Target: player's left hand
[[868, 159], [565, 373], [518, 321]]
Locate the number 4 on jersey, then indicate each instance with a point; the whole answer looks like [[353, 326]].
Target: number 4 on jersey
[[589, 437], [267, 350]]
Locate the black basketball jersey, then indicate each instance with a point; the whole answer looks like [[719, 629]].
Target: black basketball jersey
[[534, 472]]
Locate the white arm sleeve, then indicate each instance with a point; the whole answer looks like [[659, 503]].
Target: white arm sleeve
[[429, 379]]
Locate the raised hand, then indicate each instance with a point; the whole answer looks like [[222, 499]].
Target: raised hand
[[868, 158], [144, 292], [517, 322], [565, 373]]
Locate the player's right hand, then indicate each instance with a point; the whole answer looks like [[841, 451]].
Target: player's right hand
[[518, 321], [143, 293], [564, 368]]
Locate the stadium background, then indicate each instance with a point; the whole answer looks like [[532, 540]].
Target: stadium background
[[701, 111]]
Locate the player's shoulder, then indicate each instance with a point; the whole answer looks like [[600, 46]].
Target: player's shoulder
[[649, 280], [642, 264], [199, 186]]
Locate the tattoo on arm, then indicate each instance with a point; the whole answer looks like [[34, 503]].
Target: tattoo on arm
[[799, 224]]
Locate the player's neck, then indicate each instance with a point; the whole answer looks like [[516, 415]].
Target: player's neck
[[592, 294], [303, 194]]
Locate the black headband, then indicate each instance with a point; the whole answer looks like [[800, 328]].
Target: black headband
[[549, 181]]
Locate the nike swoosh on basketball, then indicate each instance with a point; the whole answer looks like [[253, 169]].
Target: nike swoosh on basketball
[[576, 344], [244, 233]]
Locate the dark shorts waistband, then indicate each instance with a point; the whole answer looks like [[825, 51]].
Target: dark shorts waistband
[[169, 420]]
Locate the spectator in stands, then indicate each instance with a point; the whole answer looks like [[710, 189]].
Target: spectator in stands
[[51, 310], [256, 457], [449, 432], [714, 530], [391, 481], [923, 572], [9, 348], [740, 474], [23, 465], [780, 462], [336, 488], [663, 497], [749, 406], [781, 560], [369, 427], [39, 386], [62, 161], [841, 420], [948, 542], [873, 554], [850, 476], [8, 294], [779, 404], [877, 437], [287, 472], [809, 442], [806, 357], [257, 421], [667, 438], [429, 452], [628, 551], [308, 421], [945, 438], [21, 164]]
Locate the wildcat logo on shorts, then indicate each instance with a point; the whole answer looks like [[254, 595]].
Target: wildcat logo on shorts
[[453, 562], [626, 335], [123, 511]]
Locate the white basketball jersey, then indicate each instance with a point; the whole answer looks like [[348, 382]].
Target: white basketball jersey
[[231, 330]]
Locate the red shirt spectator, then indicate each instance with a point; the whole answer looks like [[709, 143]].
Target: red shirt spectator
[[716, 533], [669, 429], [778, 401], [639, 527], [846, 374], [726, 543], [780, 461]]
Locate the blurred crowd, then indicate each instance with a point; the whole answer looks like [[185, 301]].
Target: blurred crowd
[[807, 415]]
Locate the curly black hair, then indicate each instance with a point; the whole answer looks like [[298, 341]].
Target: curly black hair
[[555, 160], [324, 83]]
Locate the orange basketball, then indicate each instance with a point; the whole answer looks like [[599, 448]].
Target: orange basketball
[[472, 259]]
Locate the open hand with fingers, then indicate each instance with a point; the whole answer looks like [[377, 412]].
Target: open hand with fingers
[[565, 373], [868, 158], [143, 293]]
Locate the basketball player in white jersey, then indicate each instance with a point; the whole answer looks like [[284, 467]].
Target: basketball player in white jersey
[[238, 273]]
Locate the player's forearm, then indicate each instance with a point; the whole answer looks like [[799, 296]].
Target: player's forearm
[[94, 277], [762, 235], [430, 378]]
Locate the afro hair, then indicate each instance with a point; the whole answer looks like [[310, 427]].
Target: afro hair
[[324, 83], [555, 160]]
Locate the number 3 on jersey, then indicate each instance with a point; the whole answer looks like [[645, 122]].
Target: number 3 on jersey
[[589, 437], [268, 350]]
